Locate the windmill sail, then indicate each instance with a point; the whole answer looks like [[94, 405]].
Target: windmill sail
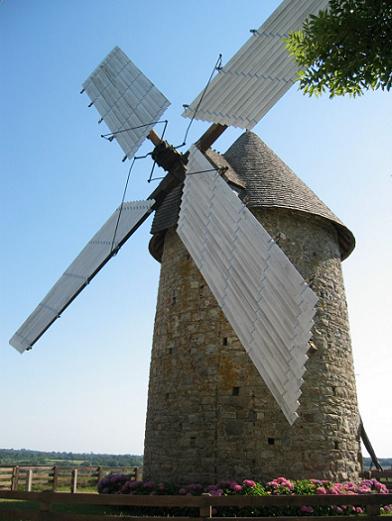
[[263, 296], [259, 74], [126, 99], [105, 243]]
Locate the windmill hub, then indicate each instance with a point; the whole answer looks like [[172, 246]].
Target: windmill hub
[[167, 157]]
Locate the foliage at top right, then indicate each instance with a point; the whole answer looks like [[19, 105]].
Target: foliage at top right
[[346, 49]]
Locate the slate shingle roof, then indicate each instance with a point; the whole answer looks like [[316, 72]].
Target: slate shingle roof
[[268, 182]]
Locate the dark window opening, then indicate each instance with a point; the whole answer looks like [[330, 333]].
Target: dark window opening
[[271, 441], [235, 391], [225, 341], [336, 445]]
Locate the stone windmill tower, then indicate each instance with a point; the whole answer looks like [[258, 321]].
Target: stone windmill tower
[[210, 416]]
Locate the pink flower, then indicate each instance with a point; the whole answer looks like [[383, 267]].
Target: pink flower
[[380, 487], [321, 490], [217, 492], [236, 488], [149, 484], [281, 483], [182, 491], [333, 490], [249, 483], [307, 509]]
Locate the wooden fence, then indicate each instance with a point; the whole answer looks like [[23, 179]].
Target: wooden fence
[[202, 507], [30, 478]]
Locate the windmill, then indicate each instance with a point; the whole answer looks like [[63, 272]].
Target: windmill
[[272, 318]]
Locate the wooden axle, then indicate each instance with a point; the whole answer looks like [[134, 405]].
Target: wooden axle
[[204, 143]]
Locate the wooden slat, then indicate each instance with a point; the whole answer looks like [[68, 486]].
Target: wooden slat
[[292, 518], [35, 467], [48, 501], [199, 501], [19, 515], [62, 516]]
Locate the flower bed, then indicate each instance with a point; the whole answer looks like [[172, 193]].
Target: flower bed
[[122, 484]]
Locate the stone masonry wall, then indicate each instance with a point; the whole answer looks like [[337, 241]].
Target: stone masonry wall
[[210, 415]]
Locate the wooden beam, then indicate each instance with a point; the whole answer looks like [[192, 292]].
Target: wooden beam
[[154, 138], [368, 445], [210, 136]]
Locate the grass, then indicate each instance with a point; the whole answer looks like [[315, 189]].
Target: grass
[[12, 504]]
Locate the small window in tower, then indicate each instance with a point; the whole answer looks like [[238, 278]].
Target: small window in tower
[[174, 296], [193, 441], [225, 341], [167, 396], [271, 441], [336, 445], [235, 391]]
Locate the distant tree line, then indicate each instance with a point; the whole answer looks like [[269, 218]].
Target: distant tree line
[[66, 459], [34, 457], [386, 463]]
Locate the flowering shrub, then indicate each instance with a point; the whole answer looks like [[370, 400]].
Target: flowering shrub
[[123, 484]]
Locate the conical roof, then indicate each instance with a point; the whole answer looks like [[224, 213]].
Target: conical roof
[[269, 183]]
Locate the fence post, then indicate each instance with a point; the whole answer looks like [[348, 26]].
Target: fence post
[[74, 481], [55, 478], [44, 510], [373, 511], [15, 478], [99, 474], [29, 480], [205, 510]]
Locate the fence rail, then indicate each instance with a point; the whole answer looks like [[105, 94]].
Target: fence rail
[[204, 506], [28, 478]]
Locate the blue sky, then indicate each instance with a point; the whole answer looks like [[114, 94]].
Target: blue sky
[[83, 387]]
